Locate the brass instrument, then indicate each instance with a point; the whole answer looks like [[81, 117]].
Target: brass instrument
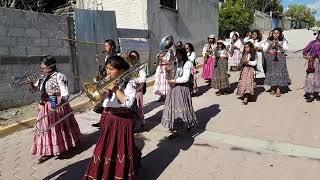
[[18, 81], [231, 48], [243, 61], [95, 90], [165, 44]]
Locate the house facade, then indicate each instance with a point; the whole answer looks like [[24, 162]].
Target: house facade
[[187, 20]]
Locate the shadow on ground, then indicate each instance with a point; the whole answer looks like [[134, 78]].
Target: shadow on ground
[[154, 163]]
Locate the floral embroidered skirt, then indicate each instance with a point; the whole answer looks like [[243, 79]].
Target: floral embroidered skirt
[[277, 72], [246, 83], [312, 83], [116, 155], [58, 139], [161, 86], [220, 78], [178, 111], [208, 68]]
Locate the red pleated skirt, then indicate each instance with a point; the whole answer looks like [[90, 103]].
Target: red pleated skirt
[[116, 155]]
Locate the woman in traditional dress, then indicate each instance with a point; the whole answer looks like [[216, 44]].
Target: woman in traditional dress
[[116, 155], [192, 58], [277, 73], [110, 49], [246, 83], [209, 58], [220, 79], [141, 85], [312, 84], [248, 37], [258, 45], [161, 86], [178, 113], [234, 50], [50, 139]]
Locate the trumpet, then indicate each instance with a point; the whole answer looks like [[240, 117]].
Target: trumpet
[[18, 81], [95, 90]]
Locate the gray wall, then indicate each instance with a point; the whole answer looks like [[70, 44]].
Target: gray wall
[[24, 37], [193, 22], [262, 21]]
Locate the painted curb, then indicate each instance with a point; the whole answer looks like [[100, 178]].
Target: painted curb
[[29, 123]]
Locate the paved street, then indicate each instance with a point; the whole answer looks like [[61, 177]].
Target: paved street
[[271, 138]]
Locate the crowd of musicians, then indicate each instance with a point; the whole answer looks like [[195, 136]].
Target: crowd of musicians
[[116, 155]]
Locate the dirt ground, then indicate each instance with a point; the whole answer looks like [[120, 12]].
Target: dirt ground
[[10, 116]]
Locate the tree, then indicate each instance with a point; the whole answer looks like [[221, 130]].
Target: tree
[[34, 5], [264, 5], [234, 15], [302, 13]]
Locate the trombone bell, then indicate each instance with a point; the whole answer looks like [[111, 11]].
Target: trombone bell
[[92, 92]]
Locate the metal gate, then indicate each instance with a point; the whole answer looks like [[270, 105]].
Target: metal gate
[[92, 28]]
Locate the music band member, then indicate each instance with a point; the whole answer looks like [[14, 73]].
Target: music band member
[[141, 85], [209, 58], [178, 112], [220, 79], [276, 62], [256, 40], [110, 49], [234, 49], [52, 140], [165, 57], [312, 84], [116, 155], [246, 83], [192, 58]]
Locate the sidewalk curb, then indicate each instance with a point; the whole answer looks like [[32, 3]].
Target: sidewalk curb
[[29, 123]]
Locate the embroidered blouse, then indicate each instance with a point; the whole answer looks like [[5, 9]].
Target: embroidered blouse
[[238, 44], [312, 49], [192, 57], [283, 43], [222, 53], [129, 90], [183, 72], [208, 46], [55, 85]]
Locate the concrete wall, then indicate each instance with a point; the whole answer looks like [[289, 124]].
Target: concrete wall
[[130, 14], [193, 21], [24, 37], [262, 21]]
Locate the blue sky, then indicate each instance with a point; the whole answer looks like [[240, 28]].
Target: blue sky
[[315, 4]]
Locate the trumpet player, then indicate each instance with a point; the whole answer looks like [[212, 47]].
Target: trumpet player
[[312, 84], [277, 73], [178, 113], [234, 51], [110, 49], [51, 140], [134, 57], [116, 154]]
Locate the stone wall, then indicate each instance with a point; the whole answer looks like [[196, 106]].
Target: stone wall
[[24, 37]]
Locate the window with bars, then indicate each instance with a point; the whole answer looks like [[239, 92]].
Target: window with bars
[[172, 4]]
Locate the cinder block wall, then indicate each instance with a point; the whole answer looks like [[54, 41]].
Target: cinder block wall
[[24, 37]]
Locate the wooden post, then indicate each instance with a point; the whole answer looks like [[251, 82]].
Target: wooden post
[[73, 55]]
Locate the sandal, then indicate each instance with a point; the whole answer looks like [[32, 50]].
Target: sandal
[[278, 93], [245, 101], [272, 92]]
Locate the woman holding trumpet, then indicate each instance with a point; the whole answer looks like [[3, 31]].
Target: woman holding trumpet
[[312, 84], [116, 155], [52, 140], [277, 73]]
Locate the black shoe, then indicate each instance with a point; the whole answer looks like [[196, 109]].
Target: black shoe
[[310, 99], [318, 98], [96, 125]]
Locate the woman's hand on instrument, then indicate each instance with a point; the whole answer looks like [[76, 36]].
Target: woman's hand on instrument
[[112, 87], [172, 82]]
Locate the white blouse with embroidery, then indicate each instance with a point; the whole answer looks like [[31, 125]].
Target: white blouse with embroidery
[[111, 100], [56, 85], [284, 45], [208, 46], [192, 57], [184, 72], [222, 53]]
